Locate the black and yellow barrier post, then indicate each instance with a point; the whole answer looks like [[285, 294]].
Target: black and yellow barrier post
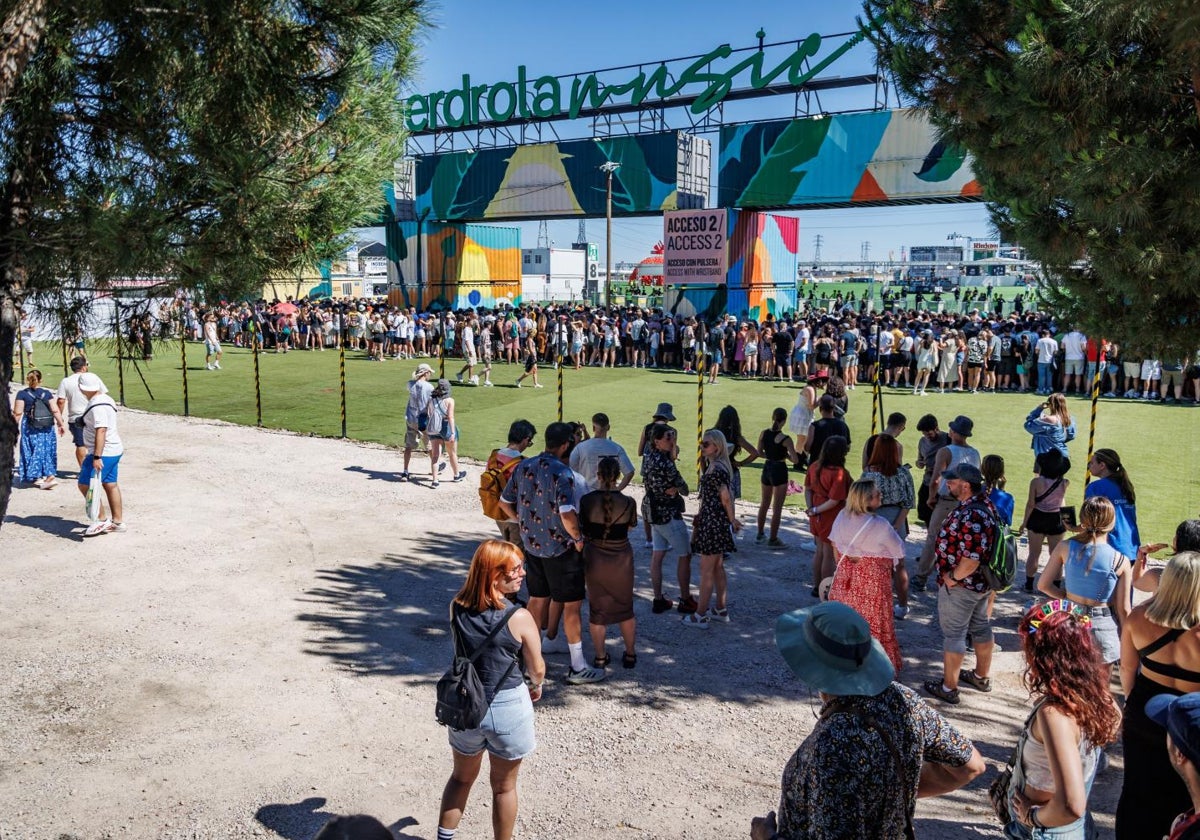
[[257, 379], [342, 372], [876, 391], [699, 414], [560, 384], [183, 367], [1087, 475]]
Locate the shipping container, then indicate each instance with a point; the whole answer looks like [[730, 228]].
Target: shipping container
[[763, 249], [428, 269]]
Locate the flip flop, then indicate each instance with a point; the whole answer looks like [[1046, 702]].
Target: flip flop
[[629, 660], [602, 661]]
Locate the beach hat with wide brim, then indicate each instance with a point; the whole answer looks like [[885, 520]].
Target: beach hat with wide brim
[[830, 648]]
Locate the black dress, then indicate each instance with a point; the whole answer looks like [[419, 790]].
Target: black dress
[[712, 533]]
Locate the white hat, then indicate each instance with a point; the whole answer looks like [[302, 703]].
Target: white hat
[[90, 382], [422, 370]]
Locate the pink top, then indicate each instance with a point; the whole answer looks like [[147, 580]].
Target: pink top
[[1052, 502], [865, 535]]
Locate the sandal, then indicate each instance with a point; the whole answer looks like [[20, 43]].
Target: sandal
[[602, 661], [629, 660], [939, 691]]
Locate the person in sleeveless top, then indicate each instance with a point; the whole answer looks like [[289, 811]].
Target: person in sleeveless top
[[776, 449], [713, 529], [941, 502], [606, 516], [1160, 654], [1094, 575], [507, 731], [1074, 717], [1042, 520], [868, 549]]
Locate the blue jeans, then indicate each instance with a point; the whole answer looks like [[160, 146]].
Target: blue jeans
[[1045, 378]]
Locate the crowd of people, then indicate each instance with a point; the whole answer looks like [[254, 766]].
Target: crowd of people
[[570, 529]]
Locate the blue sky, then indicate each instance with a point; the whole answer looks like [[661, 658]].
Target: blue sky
[[489, 39]]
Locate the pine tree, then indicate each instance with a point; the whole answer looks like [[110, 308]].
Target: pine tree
[[1084, 123], [210, 142]]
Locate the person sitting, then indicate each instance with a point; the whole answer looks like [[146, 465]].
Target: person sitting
[[876, 747]]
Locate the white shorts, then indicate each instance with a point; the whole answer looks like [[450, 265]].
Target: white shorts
[[1151, 369]]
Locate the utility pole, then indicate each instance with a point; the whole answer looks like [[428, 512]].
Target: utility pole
[[581, 237], [608, 169], [866, 256], [817, 252], [543, 240]]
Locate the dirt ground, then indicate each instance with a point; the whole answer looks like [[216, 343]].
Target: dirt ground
[[259, 652]]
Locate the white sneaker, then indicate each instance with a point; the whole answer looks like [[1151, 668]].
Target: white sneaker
[[518, 383], [217, 365], [899, 611], [537, 385], [700, 622], [488, 384], [586, 675], [208, 367], [474, 380]]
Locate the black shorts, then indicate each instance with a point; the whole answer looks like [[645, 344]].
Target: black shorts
[[774, 474], [783, 359], [974, 365], [1046, 522], [530, 364], [558, 578]]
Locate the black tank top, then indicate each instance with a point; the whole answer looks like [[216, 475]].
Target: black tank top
[[1173, 672], [771, 450], [503, 653]]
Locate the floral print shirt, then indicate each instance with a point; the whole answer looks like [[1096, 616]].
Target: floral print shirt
[[843, 781], [968, 533], [541, 488]]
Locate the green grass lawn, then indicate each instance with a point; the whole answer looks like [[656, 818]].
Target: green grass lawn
[[300, 392]]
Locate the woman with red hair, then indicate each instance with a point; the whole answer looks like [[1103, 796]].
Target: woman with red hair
[[483, 619], [1073, 717]]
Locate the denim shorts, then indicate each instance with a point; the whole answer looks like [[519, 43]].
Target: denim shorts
[[506, 731], [961, 611], [672, 535]]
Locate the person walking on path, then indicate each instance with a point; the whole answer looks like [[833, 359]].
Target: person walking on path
[[965, 540], [72, 403], [541, 496], [416, 412], [36, 411], [442, 429], [212, 343], [104, 451]]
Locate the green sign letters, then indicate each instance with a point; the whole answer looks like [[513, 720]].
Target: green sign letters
[[543, 97]]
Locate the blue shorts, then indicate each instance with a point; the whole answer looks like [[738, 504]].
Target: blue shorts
[[716, 357], [108, 473], [506, 731]]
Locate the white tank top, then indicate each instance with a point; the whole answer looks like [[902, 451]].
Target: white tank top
[[959, 455]]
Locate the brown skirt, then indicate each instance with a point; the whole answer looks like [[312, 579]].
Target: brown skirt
[[608, 566]]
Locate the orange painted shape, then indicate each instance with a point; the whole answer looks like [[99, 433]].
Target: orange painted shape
[[868, 189]]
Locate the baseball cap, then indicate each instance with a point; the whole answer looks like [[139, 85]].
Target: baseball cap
[[965, 472], [1180, 716]]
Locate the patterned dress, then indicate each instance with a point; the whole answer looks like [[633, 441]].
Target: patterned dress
[[39, 447], [711, 533], [867, 550]]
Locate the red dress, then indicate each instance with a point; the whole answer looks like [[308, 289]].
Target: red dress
[[865, 583], [826, 483]]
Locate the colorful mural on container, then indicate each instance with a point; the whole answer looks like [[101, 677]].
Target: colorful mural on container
[[554, 180], [456, 265], [707, 303], [763, 249], [837, 161]]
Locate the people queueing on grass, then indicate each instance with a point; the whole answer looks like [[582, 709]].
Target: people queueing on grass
[[941, 501], [1051, 426], [876, 746], [1113, 482]]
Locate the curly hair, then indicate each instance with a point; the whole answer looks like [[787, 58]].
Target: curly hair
[[1062, 663]]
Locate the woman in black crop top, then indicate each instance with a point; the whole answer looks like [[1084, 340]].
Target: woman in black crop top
[[607, 516], [506, 731], [1160, 654], [777, 449]]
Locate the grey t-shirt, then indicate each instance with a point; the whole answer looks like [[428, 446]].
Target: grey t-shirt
[[420, 393]]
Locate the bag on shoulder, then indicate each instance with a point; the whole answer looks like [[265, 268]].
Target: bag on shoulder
[[461, 700], [436, 419], [1000, 569], [492, 483], [40, 415]]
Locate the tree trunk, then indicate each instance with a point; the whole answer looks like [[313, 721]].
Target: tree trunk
[[19, 36], [8, 425]]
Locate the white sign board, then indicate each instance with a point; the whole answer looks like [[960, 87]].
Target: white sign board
[[694, 246]]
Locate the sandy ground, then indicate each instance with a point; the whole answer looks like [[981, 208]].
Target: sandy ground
[[259, 651]]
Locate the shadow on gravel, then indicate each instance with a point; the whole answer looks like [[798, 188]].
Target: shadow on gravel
[[302, 820], [390, 617], [69, 529], [376, 475]]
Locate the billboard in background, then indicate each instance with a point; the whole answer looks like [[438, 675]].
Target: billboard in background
[[882, 157], [935, 253], [694, 246], [657, 172]]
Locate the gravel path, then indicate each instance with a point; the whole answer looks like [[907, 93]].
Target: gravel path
[[259, 651]]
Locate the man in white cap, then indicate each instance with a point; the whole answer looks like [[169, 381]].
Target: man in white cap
[[416, 412], [104, 450], [877, 746]]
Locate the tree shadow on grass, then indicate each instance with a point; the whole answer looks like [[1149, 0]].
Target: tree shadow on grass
[[68, 529]]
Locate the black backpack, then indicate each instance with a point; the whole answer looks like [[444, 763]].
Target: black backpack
[[461, 700], [40, 415]]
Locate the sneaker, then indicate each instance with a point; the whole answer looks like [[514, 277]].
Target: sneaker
[[688, 605], [38, 482], [968, 676], [537, 385], [474, 380], [435, 484], [458, 378], [488, 384], [760, 538], [700, 622], [719, 615], [98, 528], [661, 605], [919, 582], [556, 645], [462, 474], [585, 675], [939, 691], [117, 528], [404, 476], [775, 542], [208, 367], [216, 365], [441, 466], [518, 383], [900, 611]]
